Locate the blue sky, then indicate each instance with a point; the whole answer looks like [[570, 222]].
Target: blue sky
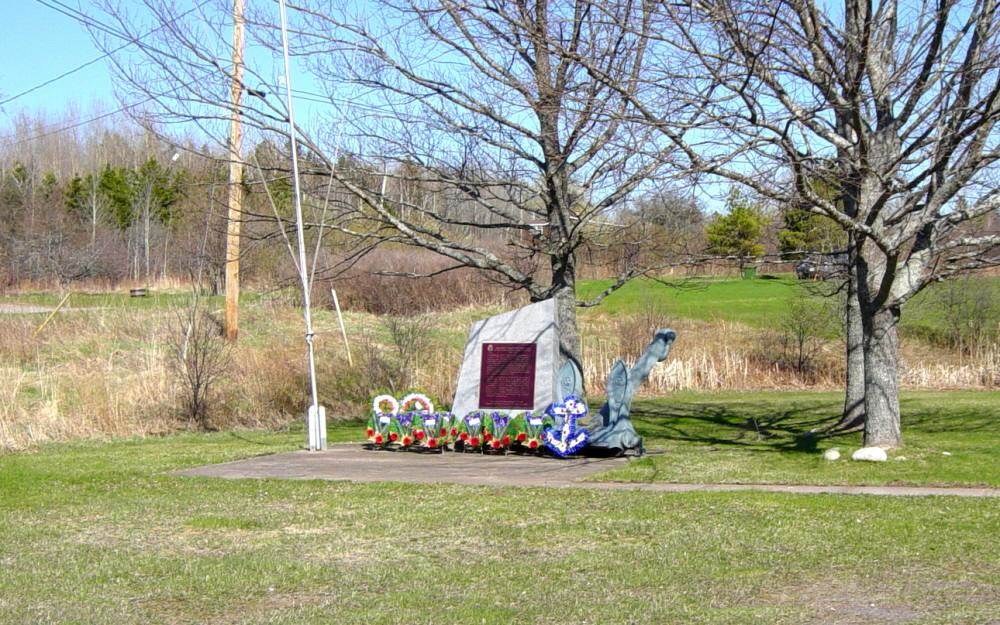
[[38, 43]]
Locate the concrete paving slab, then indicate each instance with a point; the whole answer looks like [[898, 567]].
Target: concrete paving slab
[[351, 462], [356, 464]]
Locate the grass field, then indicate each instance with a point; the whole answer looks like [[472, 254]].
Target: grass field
[[758, 303], [753, 302], [121, 299], [122, 347], [763, 438], [101, 533]]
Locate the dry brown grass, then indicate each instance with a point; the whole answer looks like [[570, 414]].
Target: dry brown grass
[[70, 383], [99, 374], [97, 285], [718, 355], [368, 287], [706, 356], [105, 373]]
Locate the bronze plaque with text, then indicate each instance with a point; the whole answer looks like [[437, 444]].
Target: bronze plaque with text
[[507, 376]]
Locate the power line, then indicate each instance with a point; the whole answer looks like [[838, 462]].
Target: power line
[[61, 76], [121, 109], [99, 57], [85, 19], [80, 16], [76, 125]]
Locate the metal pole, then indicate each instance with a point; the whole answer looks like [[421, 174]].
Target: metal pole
[[343, 330], [317, 440]]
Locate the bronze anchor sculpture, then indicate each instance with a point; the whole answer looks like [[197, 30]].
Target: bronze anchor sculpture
[[611, 430]]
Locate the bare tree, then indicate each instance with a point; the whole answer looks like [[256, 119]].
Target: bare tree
[[199, 358], [471, 129], [895, 103]]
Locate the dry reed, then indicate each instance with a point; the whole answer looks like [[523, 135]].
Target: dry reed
[[104, 373]]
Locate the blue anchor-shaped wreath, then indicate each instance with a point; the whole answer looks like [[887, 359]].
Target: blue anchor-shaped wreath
[[567, 437]]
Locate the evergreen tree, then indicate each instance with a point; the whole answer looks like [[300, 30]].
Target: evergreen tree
[[739, 231], [806, 231]]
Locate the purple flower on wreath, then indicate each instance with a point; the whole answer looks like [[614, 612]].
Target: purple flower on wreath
[[500, 421], [405, 419]]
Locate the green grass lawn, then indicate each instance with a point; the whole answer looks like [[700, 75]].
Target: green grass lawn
[[754, 302], [102, 533], [762, 438], [760, 303]]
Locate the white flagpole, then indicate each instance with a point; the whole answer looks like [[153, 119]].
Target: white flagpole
[[315, 417]]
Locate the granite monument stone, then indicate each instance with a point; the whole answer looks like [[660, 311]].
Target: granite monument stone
[[511, 362]]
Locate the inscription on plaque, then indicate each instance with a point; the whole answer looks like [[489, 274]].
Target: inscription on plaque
[[507, 376]]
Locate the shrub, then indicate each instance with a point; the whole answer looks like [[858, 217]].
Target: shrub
[[798, 342], [200, 358]]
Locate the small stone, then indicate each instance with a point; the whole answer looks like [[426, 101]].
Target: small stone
[[900, 458], [832, 454], [945, 453], [870, 454]]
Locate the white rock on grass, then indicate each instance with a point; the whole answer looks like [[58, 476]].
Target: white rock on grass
[[832, 454], [871, 454]]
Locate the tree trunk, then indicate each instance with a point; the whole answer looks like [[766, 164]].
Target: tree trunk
[[881, 356], [145, 230], [853, 417], [93, 212], [569, 332], [166, 248]]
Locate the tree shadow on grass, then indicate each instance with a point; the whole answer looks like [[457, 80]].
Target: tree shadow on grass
[[760, 426], [792, 426], [952, 418]]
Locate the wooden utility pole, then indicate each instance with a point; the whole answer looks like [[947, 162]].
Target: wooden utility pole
[[235, 202]]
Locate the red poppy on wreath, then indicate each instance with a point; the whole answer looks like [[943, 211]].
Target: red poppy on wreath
[[505, 440], [379, 439], [432, 443], [533, 444], [419, 434], [464, 436], [407, 441], [495, 444], [369, 432], [487, 436], [444, 432], [521, 436], [474, 441], [392, 436], [454, 432]]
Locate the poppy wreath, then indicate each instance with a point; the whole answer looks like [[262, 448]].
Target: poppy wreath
[[471, 430], [416, 402], [496, 434], [435, 429], [422, 422], [380, 429], [532, 429], [404, 425]]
